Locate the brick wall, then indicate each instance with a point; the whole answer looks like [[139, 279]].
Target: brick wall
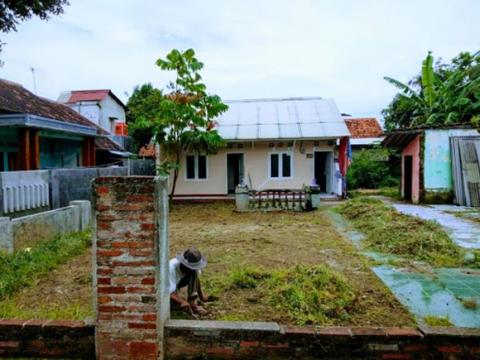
[[42, 339], [129, 224], [251, 340]]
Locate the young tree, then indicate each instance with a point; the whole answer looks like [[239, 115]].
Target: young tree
[[185, 117], [13, 12]]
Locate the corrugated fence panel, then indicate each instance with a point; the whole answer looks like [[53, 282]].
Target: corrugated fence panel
[[466, 170]]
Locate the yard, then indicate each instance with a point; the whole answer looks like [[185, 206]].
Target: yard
[[280, 266]]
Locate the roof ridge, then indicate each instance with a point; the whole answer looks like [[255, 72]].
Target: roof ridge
[[276, 99]]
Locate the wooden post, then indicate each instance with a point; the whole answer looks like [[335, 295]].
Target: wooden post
[[24, 149], [93, 158], [86, 156], [35, 149]]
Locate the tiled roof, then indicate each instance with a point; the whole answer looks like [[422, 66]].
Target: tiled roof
[[75, 96], [14, 98], [147, 150], [364, 127]]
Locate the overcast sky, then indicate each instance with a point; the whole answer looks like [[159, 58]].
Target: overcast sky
[[338, 49]]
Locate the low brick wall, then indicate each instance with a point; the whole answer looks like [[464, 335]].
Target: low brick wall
[[250, 340], [45, 339]]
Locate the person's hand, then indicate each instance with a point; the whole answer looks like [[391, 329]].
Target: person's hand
[[200, 310], [188, 309]]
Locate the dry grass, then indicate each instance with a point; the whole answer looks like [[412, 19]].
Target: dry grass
[[267, 242]]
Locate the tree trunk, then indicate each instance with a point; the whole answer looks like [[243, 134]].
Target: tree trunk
[[175, 177]]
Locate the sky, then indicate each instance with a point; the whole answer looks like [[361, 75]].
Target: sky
[[338, 49]]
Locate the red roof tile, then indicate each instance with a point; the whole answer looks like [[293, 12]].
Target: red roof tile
[[364, 127], [87, 95]]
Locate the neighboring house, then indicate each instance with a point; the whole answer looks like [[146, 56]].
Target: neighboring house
[[439, 164], [102, 107], [271, 144], [37, 133], [364, 132]]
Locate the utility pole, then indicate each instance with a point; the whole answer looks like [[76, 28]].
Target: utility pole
[[34, 82]]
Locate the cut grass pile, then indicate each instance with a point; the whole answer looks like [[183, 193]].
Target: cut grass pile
[[390, 232], [431, 320], [306, 294], [22, 268]]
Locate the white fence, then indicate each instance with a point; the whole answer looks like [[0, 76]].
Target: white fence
[[25, 190]]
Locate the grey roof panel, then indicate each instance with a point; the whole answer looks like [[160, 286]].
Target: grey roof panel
[[295, 118]]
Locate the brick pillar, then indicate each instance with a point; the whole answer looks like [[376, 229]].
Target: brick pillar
[[131, 266]]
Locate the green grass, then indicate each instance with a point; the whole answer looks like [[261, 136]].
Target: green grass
[[10, 310], [21, 268], [305, 294], [437, 321], [390, 232]]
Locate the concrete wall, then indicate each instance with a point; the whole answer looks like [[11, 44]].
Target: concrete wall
[[75, 184], [23, 232], [437, 169], [110, 108], [412, 149], [89, 109], [256, 163], [141, 167]]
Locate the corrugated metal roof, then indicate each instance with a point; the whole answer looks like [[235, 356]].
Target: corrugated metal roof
[[292, 118]]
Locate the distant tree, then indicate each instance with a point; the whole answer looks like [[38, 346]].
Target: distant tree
[[12, 12], [143, 107], [443, 94], [183, 119]]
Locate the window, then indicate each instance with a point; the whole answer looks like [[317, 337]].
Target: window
[[196, 167], [280, 165]]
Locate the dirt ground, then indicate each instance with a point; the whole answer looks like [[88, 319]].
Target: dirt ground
[[231, 240]]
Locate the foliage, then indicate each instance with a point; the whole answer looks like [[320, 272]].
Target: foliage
[[390, 232], [142, 111], [183, 119], [370, 169], [443, 94], [22, 267], [12, 12], [307, 294]]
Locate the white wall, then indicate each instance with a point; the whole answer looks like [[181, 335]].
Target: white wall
[[110, 109], [256, 163], [89, 109]]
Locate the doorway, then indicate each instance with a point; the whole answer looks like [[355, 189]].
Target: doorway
[[322, 169], [407, 177], [235, 171]]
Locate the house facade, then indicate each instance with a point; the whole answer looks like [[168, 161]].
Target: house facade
[[437, 167], [37, 133], [271, 144], [102, 107]]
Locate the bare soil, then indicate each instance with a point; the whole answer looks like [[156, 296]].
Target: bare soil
[[230, 240]]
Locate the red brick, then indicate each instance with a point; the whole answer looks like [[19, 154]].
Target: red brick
[[104, 299], [415, 347], [103, 207], [134, 263], [104, 225], [104, 281], [148, 281], [133, 244], [149, 317], [143, 252], [450, 348], [249, 343], [111, 309], [217, 350], [143, 350], [147, 226], [9, 344], [140, 290], [475, 349], [134, 325], [276, 346], [133, 207], [397, 356], [111, 290], [102, 190], [104, 271], [105, 217], [109, 253], [140, 198]]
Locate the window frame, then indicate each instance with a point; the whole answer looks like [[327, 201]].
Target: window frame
[[195, 168], [280, 165]]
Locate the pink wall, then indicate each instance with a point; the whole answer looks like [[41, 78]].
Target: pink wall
[[413, 149]]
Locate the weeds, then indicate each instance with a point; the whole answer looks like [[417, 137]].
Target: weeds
[[390, 232], [307, 294], [22, 267], [469, 303], [431, 320]]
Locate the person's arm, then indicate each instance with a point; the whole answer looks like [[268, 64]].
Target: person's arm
[[184, 304]]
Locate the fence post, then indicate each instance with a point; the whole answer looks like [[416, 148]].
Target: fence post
[[131, 266]]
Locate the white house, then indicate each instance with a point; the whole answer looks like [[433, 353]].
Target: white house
[[101, 107], [271, 144]]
